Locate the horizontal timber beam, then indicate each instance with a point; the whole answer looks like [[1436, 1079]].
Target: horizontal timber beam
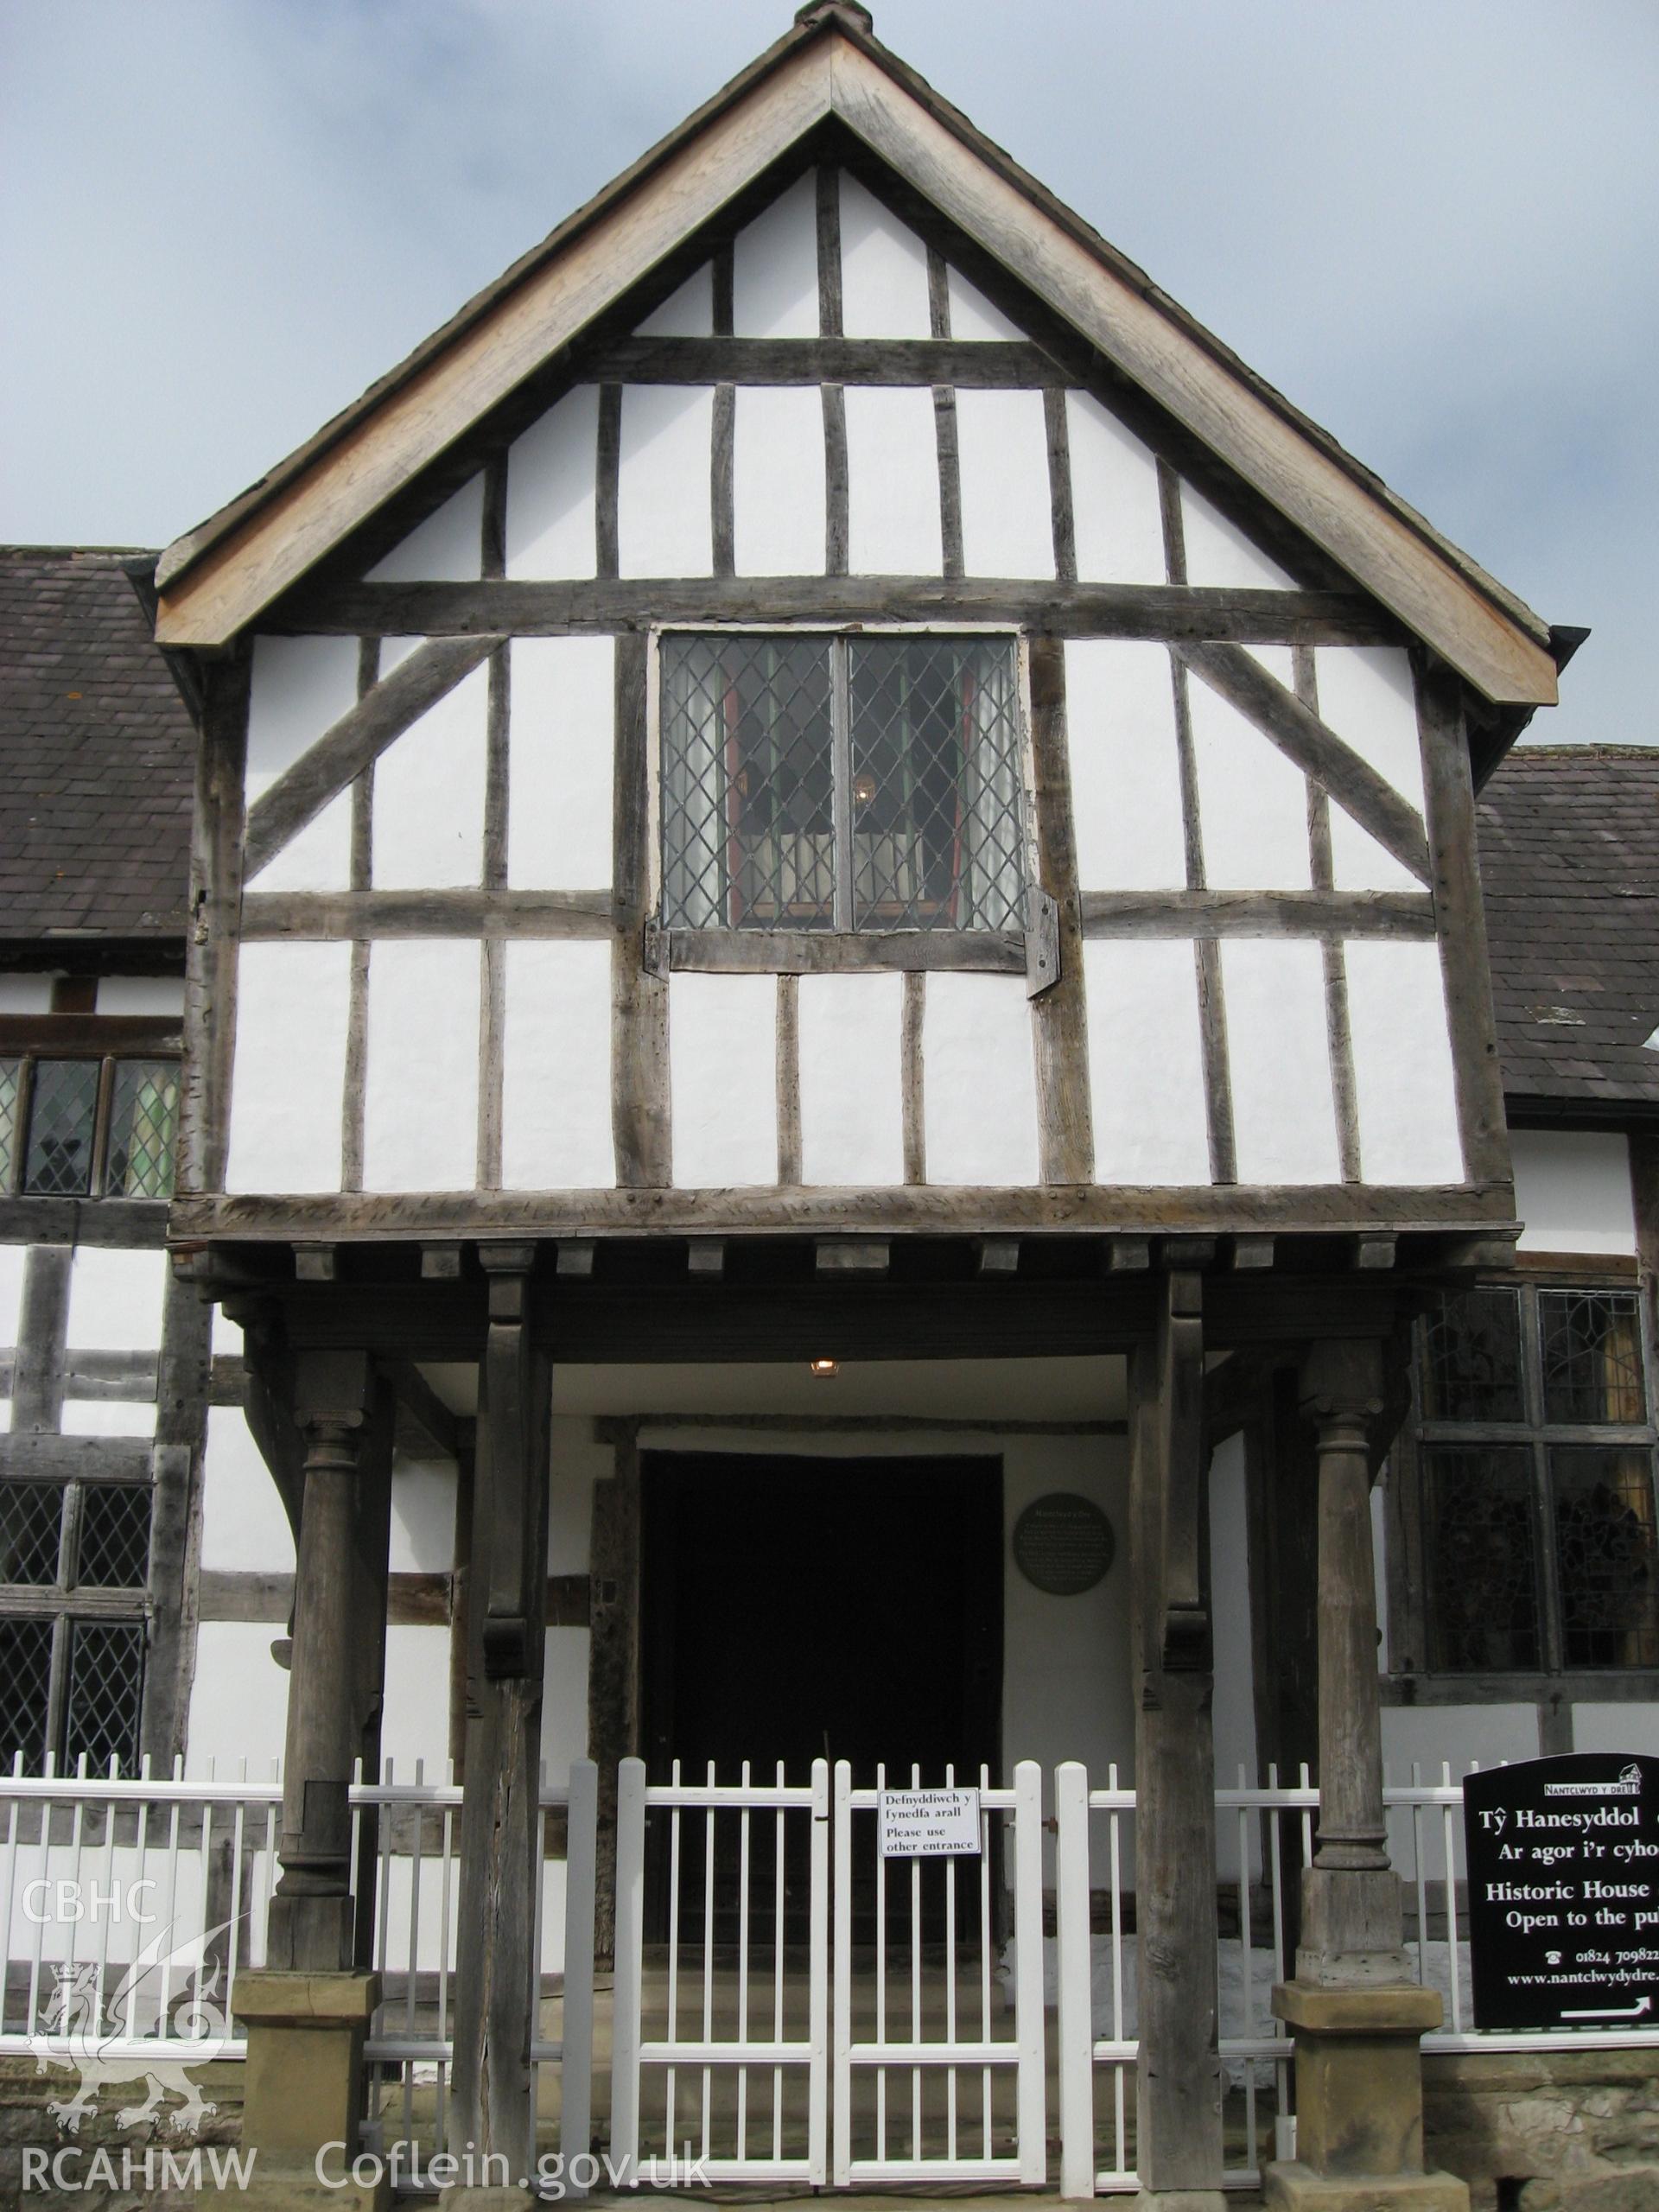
[[132, 1223], [1257, 913], [267, 914], [1175, 613], [826, 952], [966, 363]]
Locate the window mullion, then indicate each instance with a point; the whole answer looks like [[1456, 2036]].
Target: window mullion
[[58, 1696], [1549, 1580], [841, 762]]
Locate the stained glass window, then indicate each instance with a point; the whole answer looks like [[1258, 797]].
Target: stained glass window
[[1591, 1347], [143, 1127], [1482, 1559], [1471, 1365], [862, 783], [1607, 1560]]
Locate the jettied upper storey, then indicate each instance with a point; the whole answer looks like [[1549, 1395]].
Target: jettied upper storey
[[1122, 878]]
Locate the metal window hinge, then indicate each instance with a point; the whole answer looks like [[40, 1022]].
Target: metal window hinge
[[1042, 944]]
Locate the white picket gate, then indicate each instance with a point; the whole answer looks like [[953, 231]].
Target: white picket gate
[[724, 2024]]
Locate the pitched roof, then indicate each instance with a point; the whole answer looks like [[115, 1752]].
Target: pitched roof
[[829, 67], [1569, 865], [96, 754]]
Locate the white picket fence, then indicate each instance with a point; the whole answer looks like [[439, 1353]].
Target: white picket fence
[[131, 1905]]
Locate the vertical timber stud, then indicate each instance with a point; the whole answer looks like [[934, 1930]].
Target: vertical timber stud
[[308, 2011], [1356, 2016], [498, 1973], [1179, 2077]]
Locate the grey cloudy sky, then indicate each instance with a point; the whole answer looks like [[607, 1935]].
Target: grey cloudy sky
[[1434, 224]]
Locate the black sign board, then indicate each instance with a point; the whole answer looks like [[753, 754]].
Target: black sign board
[[1563, 1858], [1063, 1544]]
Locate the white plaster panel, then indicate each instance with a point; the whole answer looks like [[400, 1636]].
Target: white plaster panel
[[1252, 801], [14, 1260], [1116, 520], [1007, 520], [852, 1130], [1279, 1061], [664, 514], [972, 315], [144, 994], [687, 312], [108, 1417], [551, 472], [1230, 1585], [777, 486], [578, 1461], [1379, 1569], [225, 1335], [420, 1106], [1366, 696], [564, 1709], [1219, 552], [25, 993], [1146, 1061], [299, 687], [447, 548], [245, 1529], [1573, 1190], [1126, 775], [556, 1102], [1619, 1729], [415, 1720], [1404, 1084], [290, 1067], [892, 482], [422, 1516], [723, 1058], [239, 1699], [1460, 1735], [1279, 661], [116, 1299], [883, 270], [979, 1081], [428, 819], [562, 763], [775, 267]]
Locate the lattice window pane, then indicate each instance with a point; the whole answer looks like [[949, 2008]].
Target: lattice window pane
[[62, 1116], [748, 825], [938, 827], [1472, 1370], [1482, 1577], [143, 1125], [1608, 1558], [105, 1694], [1591, 1347], [11, 1104], [25, 1691], [31, 1524], [114, 1535]]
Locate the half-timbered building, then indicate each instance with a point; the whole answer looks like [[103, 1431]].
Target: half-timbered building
[[834, 896]]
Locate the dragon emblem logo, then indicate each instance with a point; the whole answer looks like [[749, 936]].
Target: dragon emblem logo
[[161, 2018]]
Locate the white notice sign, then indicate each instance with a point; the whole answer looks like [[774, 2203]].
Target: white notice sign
[[929, 1823]]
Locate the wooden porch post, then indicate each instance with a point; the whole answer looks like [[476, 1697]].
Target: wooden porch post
[[493, 2119], [1357, 2014], [1177, 2097]]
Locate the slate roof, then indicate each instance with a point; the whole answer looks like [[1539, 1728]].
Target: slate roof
[[96, 754], [1569, 864]]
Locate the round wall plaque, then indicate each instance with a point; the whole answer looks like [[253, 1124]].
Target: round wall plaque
[[1062, 1543]]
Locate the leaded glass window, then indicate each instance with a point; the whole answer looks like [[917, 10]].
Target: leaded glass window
[[62, 1122], [143, 1126], [69, 1684], [114, 1547], [88, 1127], [842, 783], [31, 1531], [11, 1115], [25, 1690], [105, 1694], [1535, 1447]]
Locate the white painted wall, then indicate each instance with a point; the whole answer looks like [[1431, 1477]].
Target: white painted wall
[[143, 994], [13, 1259], [428, 817], [1146, 1061], [1126, 776], [551, 474], [1616, 1728], [979, 1081], [722, 1058], [298, 688], [414, 1716], [1404, 1084], [775, 267], [1573, 1190], [664, 514], [25, 993], [687, 312], [1252, 801], [239, 1699], [245, 1529], [777, 481], [447, 548], [422, 1516], [1218, 553], [289, 1067], [561, 743], [115, 1299], [883, 270], [892, 482], [973, 316], [420, 1114], [1366, 696], [1008, 526], [555, 1085], [1116, 520], [852, 1128], [1279, 1061]]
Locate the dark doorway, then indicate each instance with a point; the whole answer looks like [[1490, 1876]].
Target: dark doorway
[[797, 1608]]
